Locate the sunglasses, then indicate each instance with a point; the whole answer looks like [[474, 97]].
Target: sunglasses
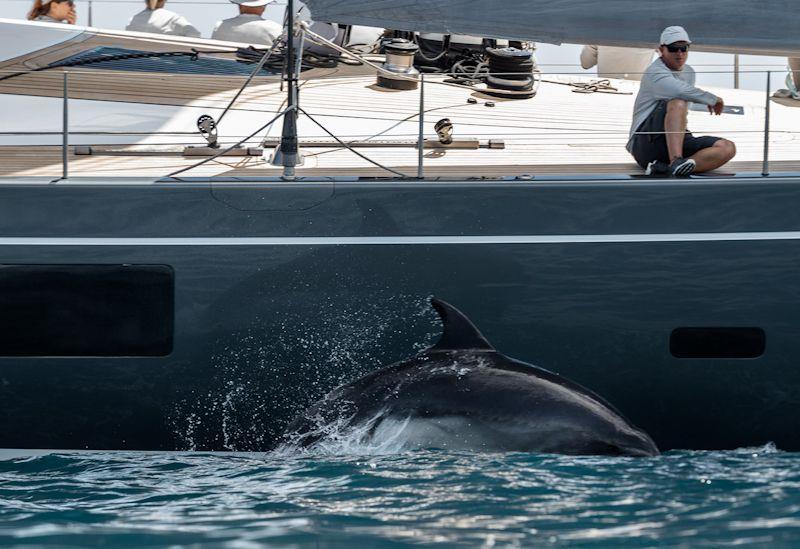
[[674, 49]]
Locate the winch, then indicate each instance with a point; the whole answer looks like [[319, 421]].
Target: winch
[[400, 61], [511, 69]]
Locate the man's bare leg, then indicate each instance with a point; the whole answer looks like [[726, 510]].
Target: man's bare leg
[[714, 156], [675, 125]]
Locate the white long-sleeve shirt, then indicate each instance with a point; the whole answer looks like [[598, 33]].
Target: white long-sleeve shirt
[[660, 83], [248, 29], [161, 21]]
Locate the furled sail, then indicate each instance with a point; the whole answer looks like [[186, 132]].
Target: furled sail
[[766, 27]]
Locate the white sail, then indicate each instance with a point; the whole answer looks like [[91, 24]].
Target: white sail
[[770, 27]]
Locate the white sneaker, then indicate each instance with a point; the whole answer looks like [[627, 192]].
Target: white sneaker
[[656, 167]]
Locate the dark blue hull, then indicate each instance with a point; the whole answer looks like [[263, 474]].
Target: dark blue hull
[[283, 291]]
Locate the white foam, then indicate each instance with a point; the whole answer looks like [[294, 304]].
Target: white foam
[[341, 437], [384, 436]]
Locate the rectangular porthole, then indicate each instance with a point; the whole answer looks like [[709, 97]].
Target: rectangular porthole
[[717, 342], [86, 310]]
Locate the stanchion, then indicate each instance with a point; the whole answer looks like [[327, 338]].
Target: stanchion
[[765, 167], [421, 142], [65, 130]]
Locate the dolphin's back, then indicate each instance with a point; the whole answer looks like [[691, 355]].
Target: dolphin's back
[[461, 393], [509, 364], [482, 401]]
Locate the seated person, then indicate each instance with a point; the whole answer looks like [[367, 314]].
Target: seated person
[[248, 27], [53, 11], [613, 62], [154, 18], [329, 31], [794, 65], [659, 140]]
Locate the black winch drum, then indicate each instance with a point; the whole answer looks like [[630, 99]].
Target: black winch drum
[[510, 69]]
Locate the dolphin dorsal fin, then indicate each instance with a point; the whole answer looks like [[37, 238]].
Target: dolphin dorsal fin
[[459, 332]]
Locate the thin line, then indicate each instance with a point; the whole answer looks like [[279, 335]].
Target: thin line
[[399, 240]]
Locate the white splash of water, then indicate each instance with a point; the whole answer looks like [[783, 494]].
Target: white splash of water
[[374, 436], [334, 346]]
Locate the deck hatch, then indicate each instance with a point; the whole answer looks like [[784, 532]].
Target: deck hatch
[[707, 342], [86, 310]]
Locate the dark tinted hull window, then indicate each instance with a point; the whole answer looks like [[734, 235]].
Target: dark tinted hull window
[[86, 310], [717, 342]]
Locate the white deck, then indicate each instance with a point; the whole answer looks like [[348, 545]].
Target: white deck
[[557, 131]]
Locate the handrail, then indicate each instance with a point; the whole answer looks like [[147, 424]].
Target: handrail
[[66, 133], [99, 133], [583, 74]]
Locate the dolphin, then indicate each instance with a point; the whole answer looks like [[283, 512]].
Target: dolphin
[[462, 394]]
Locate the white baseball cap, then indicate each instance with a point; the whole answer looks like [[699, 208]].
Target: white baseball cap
[[251, 3], [674, 34]]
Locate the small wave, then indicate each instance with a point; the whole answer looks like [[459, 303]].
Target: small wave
[[461, 499], [768, 448], [746, 451]]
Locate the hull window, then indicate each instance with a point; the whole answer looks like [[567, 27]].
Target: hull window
[[86, 310], [717, 342]]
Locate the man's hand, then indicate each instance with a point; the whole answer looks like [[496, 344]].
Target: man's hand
[[717, 107], [72, 16]]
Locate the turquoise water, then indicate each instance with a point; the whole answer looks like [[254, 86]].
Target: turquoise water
[[749, 496]]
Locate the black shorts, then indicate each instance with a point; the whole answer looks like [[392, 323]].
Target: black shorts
[[653, 144]]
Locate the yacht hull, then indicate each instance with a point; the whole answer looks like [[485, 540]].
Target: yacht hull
[[283, 291]]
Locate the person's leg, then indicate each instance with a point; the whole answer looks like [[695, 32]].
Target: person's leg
[[675, 127], [794, 64], [711, 158]]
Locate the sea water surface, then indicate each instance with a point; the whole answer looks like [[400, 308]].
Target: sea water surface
[[428, 498]]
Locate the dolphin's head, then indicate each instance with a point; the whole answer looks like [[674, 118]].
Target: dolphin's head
[[635, 443]]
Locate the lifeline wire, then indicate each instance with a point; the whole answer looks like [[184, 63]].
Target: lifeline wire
[[258, 68], [351, 149]]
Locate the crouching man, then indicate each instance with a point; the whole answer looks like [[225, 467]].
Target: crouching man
[[659, 140]]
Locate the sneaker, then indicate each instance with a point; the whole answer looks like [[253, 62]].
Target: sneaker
[[657, 167], [682, 167]]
